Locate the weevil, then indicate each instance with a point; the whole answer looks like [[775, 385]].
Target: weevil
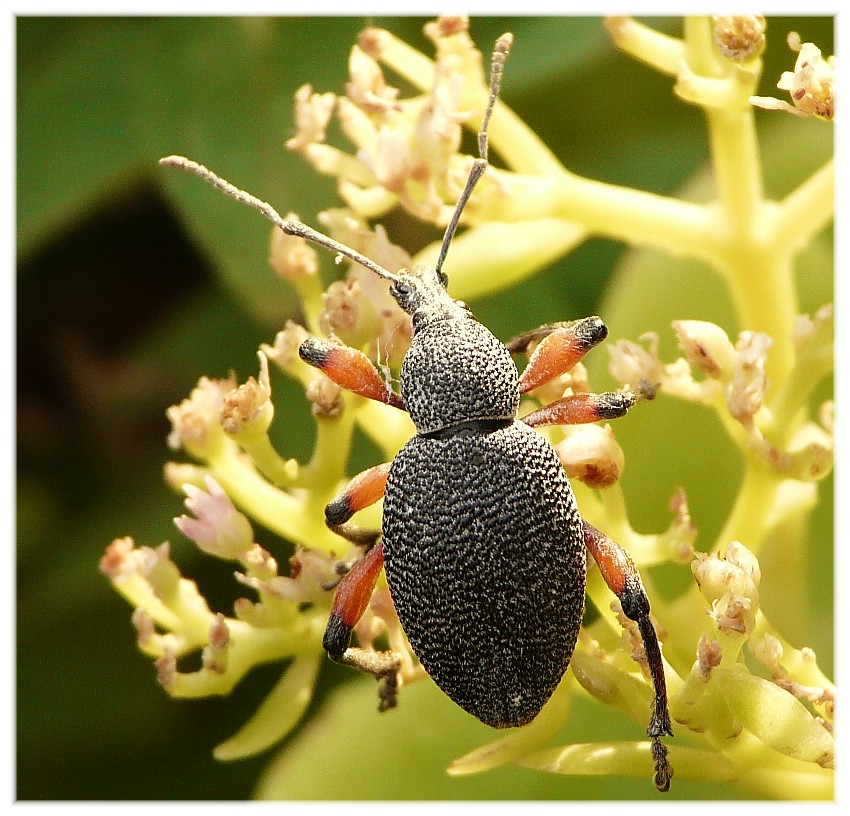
[[482, 541]]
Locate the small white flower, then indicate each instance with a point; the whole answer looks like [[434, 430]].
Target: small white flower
[[706, 346], [218, 528], [631, 363], [249, 407], [291, 256], [195, 422], [312, 114], [811, 83]]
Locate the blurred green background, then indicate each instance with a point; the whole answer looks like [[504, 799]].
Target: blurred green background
[[133, 281]]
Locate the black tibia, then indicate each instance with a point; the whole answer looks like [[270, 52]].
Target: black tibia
[[623, 579]]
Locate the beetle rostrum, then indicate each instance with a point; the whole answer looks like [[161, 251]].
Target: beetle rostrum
[[482, 542]]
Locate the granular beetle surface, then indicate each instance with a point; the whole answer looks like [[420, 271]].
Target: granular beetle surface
[[485, 560]]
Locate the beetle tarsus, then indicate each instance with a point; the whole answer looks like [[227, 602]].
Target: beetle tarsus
[[383, 666], [357, 535], [663, 769], [388, 692]]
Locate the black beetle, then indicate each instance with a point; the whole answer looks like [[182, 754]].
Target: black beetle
[[482, 541]]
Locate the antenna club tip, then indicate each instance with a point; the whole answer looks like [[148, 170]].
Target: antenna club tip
[[180, 162], [504, 43]]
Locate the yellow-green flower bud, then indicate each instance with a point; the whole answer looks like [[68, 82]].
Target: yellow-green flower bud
[[215, 656], [592, 455], [284, 352], [367, 87], [342, 309], [291, 257], [166, 670], [144, 625], [312, 114], [730, 584], [746, 390], [326, 397], [631, 363], [195, 423], [160, 571], [811, 83], [259, 563]]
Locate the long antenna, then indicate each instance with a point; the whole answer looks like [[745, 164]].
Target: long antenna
[[290, 226], [500, 54]]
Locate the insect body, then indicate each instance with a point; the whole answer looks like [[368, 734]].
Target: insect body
[[482, 541], [483, 544]]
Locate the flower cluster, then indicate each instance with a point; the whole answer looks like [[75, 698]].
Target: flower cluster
[[749, 704]]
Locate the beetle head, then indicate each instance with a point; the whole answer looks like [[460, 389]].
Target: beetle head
[[422, 294]]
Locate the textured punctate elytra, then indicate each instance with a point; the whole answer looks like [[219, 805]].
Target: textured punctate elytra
[[485, 559]]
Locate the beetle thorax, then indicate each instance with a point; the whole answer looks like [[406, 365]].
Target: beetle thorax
[[456, 371]]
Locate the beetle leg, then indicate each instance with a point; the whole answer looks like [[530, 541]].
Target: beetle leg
[[354, 588], [560, 347], [364, 489], [350, 368], [576, 409], [623, 579], [349, 603]]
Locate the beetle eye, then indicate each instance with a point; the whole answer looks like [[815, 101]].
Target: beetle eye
[[401, 288], [404, 292]]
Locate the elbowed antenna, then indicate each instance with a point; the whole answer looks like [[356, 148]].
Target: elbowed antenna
[[289, 226], [497, 64]]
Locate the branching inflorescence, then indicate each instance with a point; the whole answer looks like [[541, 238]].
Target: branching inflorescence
[[750, 705]]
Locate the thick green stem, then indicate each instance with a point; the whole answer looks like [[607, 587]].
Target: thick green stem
[[803, 213], [736, 166], [633, 216], [761, 283], [275, 509], [748, 521]]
